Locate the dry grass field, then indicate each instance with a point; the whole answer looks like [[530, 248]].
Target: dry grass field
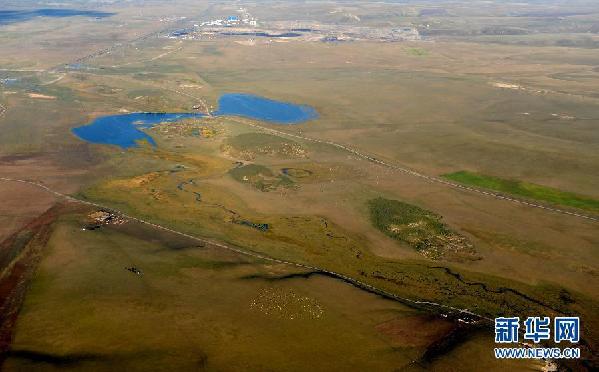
[[489, 91]]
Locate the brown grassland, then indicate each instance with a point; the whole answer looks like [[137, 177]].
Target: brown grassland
[[523, 112]]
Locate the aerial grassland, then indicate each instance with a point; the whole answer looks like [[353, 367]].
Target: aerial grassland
[[517, 113], [421, 229], [314, 240], [526, 190], [198, 307]]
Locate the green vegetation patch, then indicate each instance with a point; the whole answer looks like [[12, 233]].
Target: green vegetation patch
[[296, 172], [525, 189], [419, 228], [260, 177], [417, 52]]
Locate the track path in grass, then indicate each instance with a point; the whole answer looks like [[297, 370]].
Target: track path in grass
[[375, 160], [438, 180], [359, 154], [463, 315]]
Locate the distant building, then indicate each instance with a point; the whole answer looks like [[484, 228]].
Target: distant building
[[233, 19]]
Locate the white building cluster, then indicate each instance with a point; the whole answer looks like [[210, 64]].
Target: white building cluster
[[244, 18]]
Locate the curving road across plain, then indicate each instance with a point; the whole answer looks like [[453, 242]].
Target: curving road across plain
[[464, 315], [413, 173]]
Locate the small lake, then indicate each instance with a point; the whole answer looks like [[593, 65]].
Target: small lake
[[264, 109], [15, 16], [262, 34], [124, 130]]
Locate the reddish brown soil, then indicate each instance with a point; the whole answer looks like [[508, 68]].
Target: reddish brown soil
[[18, 272]]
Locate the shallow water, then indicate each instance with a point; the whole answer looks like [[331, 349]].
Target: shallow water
[[262, 34], [124, 129], [264, 109], [15, 16]]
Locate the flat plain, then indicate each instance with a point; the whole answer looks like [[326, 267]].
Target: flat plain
[[508, 97]]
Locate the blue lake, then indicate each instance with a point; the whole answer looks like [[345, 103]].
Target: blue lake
[[264, 109], [15, 16], [124, 130]]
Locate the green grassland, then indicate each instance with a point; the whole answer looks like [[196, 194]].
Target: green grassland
[[418, 52], [260, 177], [466, 120], [194, 308], [200, 307], [421, 229], [525, 189], [316, 241], [310, 240]]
